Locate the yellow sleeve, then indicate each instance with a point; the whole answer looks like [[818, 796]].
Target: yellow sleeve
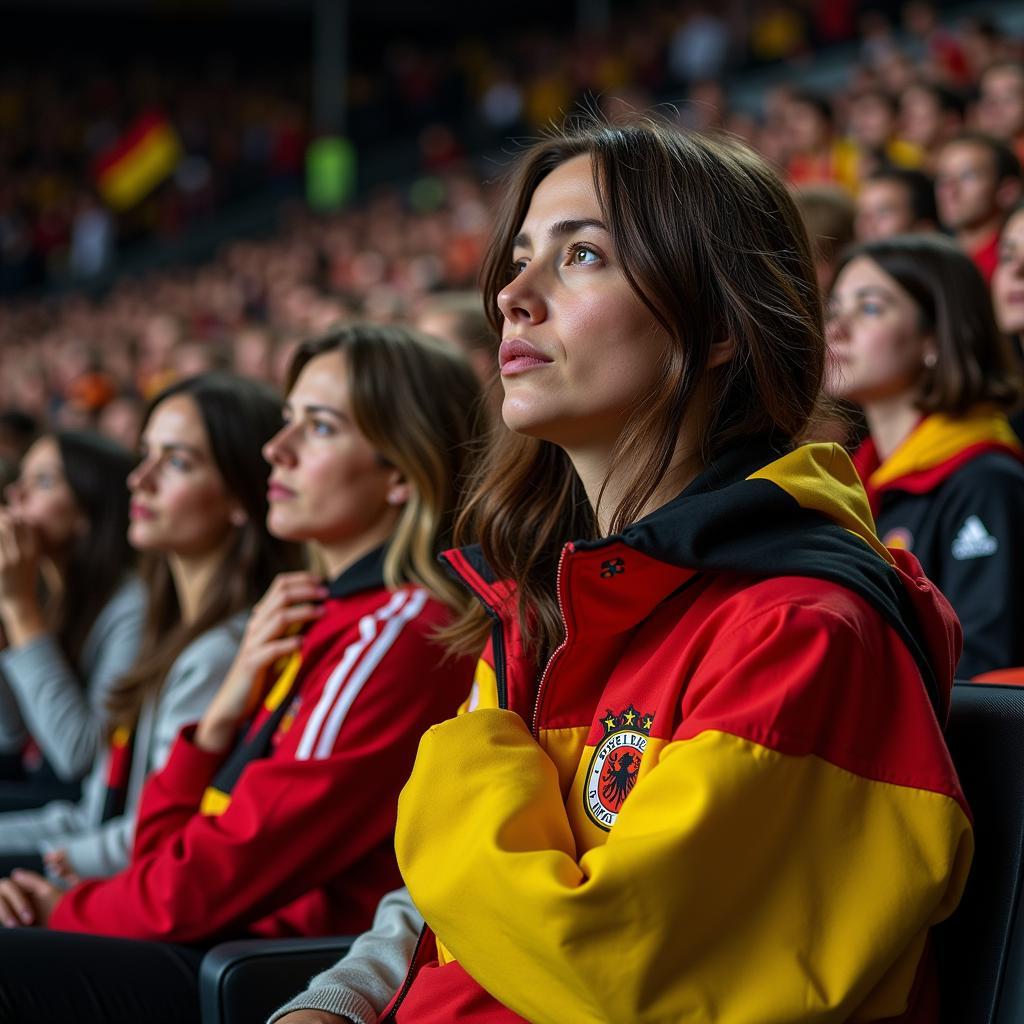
[[738, 883]]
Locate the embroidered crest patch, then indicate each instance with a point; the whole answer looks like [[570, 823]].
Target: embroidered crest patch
[[615, 764]]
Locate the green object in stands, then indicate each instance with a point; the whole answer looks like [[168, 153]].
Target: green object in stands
[[330, 172]]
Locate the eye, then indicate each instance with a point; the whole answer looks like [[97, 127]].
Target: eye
[[321, 428], [516, 267], [179, 462], [580, 254], [872, 308]]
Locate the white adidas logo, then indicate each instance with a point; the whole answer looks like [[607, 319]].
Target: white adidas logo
[[974, 541]]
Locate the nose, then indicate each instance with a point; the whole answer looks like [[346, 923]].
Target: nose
[[521, 300], [12, 492], [278, 450], [141, 477]]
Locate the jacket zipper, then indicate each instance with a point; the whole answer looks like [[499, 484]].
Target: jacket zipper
[[535, 723], [409, 975], [497, 634]]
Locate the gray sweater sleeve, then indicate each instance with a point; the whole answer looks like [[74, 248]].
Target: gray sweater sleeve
[[102, 850], [361, 984], [68, 719]]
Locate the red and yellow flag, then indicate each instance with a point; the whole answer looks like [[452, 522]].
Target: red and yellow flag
[[143, 157]]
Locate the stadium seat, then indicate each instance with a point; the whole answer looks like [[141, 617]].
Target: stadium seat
[[981, 947], [244, 982]]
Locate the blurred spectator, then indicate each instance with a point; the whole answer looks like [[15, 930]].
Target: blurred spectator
[[930, 115], [895, 202], [1008, 291], [828, 213], [978, 181], [816, 155], [1001, 105], [873, 117]]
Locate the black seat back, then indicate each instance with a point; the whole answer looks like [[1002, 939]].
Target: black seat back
[[981, 947]]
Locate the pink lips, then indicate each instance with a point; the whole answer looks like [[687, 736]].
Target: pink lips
[[278, 492], [137, 511], [516, 355]]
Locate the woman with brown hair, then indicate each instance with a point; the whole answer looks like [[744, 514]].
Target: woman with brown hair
[[916, 347], [275, 814], [197, 515], [644, 812]]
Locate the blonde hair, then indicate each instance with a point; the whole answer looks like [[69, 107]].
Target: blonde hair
[[417, 401]]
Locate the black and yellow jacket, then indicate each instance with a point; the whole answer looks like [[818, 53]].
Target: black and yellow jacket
[[953, 494]]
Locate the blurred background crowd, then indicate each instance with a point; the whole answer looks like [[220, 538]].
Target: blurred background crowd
[[154, 219]]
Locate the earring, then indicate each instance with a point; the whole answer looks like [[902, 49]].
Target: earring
[[238, 518], [930, 359]]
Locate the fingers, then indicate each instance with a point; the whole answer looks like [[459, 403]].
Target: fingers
[[15, 906]]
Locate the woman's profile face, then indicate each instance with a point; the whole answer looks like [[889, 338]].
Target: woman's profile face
[[179, 503], [579, 349], [876, 347], [327, 483], [1008, 280], [42, 497]]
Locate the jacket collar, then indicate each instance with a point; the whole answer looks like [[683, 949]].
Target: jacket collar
[[366, 574]]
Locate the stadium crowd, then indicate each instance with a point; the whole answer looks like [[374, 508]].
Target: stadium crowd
[[512, 621]]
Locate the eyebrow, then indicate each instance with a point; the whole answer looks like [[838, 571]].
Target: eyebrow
[[561, 227], [319, 409], [175, 447]]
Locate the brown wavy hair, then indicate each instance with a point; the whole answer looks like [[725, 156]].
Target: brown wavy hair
[[711, 242]]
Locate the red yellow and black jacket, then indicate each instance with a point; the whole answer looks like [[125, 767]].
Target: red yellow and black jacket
[[953, 494], [725, 798], [291, 832]]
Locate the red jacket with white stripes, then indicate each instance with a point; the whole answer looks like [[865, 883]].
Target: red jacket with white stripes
[[301, 841]]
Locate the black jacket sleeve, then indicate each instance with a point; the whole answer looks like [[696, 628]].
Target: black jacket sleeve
[[980, 544]]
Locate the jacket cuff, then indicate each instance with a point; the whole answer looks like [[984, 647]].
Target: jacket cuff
[[189, 770], [331, 999]]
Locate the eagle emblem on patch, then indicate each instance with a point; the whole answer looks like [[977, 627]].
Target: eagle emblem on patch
[[615, 764]]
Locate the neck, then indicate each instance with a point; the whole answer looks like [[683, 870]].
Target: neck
[[975, 237], [890, 423], [336, 557], [593, 469], [192, 577]]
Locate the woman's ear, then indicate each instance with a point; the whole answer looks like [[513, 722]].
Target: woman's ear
[[399, 490], [721, 352]]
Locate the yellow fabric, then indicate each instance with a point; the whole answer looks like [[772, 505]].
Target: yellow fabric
[[938, 438], [282, 687], [484, 691], [122, 734], [214, 802], [822, 477], [729, 860]]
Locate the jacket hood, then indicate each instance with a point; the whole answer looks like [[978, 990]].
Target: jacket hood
[[768, 509]]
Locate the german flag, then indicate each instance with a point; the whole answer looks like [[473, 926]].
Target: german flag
[[143, 157]]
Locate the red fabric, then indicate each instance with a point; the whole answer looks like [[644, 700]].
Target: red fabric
[[305, 846], [791, 663], [986, 258]]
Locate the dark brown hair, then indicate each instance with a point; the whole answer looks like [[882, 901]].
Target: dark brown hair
[[417, 402], [96, 470], [711, 242], [975, 363], [240, 416]]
